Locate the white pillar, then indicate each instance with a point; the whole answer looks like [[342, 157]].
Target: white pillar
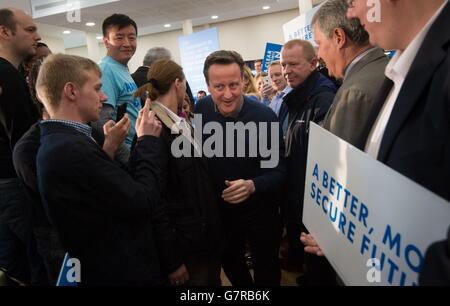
[[305, 5], [187, 27], [93, 47]]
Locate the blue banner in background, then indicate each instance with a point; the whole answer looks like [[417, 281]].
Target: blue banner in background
[[194, 49], [273, 53]]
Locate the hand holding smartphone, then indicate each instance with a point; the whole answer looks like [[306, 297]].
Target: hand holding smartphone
[[121, 111], [267, 80]]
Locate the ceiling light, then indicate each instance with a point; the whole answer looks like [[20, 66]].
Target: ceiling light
[[266, 7], [214, 17], [99, 37], [167, 25], [67, 32], [90, 24]]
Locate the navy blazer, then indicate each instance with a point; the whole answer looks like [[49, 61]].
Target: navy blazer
[[416, 142], [102, 213]]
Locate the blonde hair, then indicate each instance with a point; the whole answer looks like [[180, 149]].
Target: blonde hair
[[274, 63], [56, 71], [250, 87], [308, 50], [161, 75]]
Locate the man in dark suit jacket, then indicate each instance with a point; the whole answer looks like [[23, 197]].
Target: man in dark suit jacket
[[409, 127], [344, 47], [152, 55], [102, 213]]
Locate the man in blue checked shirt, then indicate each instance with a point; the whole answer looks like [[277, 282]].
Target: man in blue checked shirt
[[279, 84]]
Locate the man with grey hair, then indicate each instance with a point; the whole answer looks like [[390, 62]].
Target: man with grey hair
[[344, 46], [140, 76], [152, 55]]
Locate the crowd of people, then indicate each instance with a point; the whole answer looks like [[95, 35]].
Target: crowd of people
[[90, 161]]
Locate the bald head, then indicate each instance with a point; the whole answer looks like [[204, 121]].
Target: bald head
[[18, 35]]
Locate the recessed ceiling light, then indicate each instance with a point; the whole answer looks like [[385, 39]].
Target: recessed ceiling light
[[214, 17], [99, 37], [266, 7], [167, 25], [90, 24], [67, 32]]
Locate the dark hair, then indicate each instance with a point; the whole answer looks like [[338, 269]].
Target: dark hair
[[223, 57], [8, 19], [202, 92], [41, 44], [161, 75], [119, 20]]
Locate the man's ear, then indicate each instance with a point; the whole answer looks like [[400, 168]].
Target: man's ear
[[106, 42], [5, 32], [314, 63], [339, 38], [70, 91]]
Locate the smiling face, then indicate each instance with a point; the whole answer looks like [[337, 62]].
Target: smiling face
[[296, 67], [226, 85], [276, 75], [121, 44]]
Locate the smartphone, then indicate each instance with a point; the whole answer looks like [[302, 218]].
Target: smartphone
[[121, 111], [267, 80]]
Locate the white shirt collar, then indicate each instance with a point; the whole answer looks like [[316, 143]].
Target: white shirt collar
[[176, 127], [401, 63]]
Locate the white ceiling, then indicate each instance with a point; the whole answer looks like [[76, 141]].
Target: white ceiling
[[151, 15]]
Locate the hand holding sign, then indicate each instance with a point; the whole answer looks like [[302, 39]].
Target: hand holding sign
[[311, 245]]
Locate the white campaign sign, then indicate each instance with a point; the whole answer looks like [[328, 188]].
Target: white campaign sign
[[373, 224], [300, 27]]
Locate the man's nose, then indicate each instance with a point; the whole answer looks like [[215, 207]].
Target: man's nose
[[227, 93], [126, 42], [103, 97]]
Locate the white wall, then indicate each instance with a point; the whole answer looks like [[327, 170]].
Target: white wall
[[248, 36], [55, 44], [80, 51]]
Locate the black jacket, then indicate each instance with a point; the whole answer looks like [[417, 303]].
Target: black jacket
[[190, 203], [140, 76], [102, 213], [416, 141], [308, 102], [17, 114], [24, 157]]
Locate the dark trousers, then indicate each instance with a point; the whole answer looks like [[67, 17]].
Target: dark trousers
[[18, 253], [261, 227], [296, 248], [204, 270]]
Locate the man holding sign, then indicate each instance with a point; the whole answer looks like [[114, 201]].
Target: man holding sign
[[408, 128]]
